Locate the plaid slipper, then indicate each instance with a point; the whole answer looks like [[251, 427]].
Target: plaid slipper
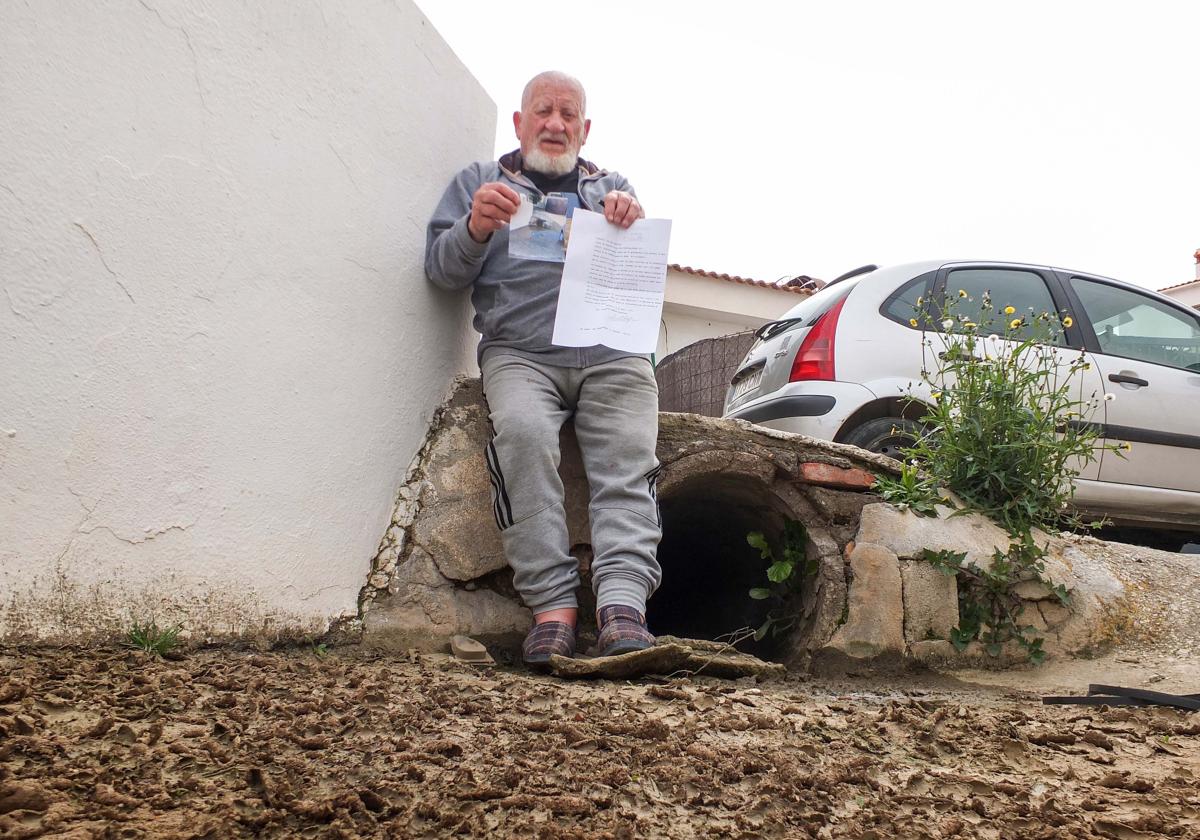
[[622, 629], [545, 639]]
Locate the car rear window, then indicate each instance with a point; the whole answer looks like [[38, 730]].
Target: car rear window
[[985, 296], [903, 304], [806, 313]]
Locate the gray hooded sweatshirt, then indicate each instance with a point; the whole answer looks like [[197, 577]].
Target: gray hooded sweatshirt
[[515, 299]]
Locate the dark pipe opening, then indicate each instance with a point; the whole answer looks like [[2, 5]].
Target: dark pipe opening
[[709, 568]]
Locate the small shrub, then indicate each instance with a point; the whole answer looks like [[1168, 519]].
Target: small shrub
[[152, 639], [781, 574], [1007, 431], [913, 490], [988, 609]]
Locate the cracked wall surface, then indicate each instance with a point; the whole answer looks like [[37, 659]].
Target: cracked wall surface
[[220, 352]]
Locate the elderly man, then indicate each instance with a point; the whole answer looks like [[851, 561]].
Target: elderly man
[[533, 386]]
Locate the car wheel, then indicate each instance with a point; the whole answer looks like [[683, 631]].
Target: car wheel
[[885, 435]]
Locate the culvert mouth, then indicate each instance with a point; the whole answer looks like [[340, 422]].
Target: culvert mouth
[[709, 568]]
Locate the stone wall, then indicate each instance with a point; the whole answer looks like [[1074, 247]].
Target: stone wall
[[441, 568], [872, 600]]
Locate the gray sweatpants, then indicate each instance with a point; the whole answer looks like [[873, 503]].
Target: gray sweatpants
[[615, 406]]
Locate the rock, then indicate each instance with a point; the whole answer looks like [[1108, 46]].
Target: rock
[[839, 506], [933, 652], [466, 649], [908, 535], [930, 602], [464, 544], [455, 524], [686, 657], [1031, 616], [874, 625], [425, 608], [827, 475], [24, 796], [1053, 613], [1032, 590], [747, 466]]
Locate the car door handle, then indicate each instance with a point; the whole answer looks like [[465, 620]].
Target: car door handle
[[1127, 380]]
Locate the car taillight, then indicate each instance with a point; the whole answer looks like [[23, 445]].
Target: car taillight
[[814, 359]]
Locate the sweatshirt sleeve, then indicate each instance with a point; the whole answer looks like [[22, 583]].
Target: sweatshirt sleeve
[[452, 258]]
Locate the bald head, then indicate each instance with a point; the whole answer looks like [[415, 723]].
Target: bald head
[[557, 79], [551, 124]]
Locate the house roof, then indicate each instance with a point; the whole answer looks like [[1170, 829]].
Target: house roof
[[1189, 282], [1181, 285], [733, 278]]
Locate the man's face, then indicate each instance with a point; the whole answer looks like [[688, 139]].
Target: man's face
[[551, 128]]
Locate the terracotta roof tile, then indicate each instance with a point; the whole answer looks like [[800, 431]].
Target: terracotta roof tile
[[733, 278], [1180, 285]]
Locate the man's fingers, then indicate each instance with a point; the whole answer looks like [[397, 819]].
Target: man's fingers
[[496, 199], [621, 208], [497, 195], [632, 213], [508, 192], [492, 206]]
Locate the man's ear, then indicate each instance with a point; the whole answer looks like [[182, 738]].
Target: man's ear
[[517, 123], [587, 126]]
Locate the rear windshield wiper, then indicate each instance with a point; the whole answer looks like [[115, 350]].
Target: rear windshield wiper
[[774, 328]]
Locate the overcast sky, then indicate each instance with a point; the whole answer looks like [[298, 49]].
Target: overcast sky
[[810, 138]]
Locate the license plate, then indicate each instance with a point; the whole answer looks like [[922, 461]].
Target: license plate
[[748, 384]]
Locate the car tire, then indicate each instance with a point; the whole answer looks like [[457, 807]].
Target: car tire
[[885, 435]]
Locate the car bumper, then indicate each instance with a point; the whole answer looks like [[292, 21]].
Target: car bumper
[[818, 415]]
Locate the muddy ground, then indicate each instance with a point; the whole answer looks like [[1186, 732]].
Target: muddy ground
[[347, 743]]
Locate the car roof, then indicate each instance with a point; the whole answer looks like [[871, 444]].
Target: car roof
[[913, 269]]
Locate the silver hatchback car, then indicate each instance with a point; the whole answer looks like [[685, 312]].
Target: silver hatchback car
[[842, 364]]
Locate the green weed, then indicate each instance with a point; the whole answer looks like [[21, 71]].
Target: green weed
[[153, 639], [785, 574]]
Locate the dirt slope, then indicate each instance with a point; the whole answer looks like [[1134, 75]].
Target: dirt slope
[[233, 744]]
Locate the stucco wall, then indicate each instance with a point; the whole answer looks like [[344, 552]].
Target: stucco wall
[[680, 329], [1189, 295], [698, 307], [219, 350]]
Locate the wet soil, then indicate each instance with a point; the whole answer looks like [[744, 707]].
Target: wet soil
[[227, 744]]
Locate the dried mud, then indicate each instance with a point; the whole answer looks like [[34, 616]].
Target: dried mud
[[291, 744]]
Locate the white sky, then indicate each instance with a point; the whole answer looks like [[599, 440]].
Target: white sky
[[789, 138]]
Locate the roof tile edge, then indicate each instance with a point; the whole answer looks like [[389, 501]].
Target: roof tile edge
[[733, 278]]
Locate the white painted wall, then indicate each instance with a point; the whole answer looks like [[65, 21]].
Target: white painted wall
[[219, 349], [697, 307], [1189, 294]]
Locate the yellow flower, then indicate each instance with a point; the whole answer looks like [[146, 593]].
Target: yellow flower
[[970, 325], [936, 395], [1127, 447], [962, 292], [920, 301], [1016, 322], [1068, 321], [912, 322], [1008, 310]]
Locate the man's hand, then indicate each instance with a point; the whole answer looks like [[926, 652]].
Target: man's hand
[[491, 208], [622, 209]]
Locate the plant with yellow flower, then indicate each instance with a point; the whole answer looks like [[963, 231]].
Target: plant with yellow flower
[[1007, 429]]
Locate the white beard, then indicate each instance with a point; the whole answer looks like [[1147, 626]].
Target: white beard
[[553, 165]]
